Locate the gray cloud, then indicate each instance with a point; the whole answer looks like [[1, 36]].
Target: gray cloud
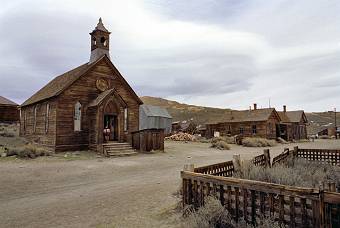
[[216, 53]]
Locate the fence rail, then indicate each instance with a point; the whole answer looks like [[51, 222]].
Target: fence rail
[[225, 169]]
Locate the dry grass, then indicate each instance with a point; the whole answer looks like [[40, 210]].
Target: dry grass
[[296, 172], [27, 151], [213, 214], [221, 145], [258, 142]]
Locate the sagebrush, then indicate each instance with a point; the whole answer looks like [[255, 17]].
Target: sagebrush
[[295, 172], [213, 215], [27, 151], [258, 142]]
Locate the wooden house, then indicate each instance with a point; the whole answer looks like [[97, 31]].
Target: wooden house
[[293, 124], [72, 111], [247, 123], [9, 110]]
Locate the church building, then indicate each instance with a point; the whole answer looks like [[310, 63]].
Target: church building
[[73, 111]]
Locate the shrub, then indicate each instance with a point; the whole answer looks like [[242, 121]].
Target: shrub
[[27, 151], [213, 214], [221, 145], [258, 142], [293, 173], [324, 137], [6, 133], [227, 139]]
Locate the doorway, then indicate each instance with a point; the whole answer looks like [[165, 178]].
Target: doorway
[[111, 122]]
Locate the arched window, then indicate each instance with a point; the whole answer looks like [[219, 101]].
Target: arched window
[[126, 120], [77, 116]]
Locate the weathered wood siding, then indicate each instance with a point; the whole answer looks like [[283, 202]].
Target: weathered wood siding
[[40, 135], [264, 129], [9, 113]]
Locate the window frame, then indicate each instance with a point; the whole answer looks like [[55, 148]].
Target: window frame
[[77, 117]]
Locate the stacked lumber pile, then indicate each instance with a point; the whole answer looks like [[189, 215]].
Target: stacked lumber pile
[[181, 136]]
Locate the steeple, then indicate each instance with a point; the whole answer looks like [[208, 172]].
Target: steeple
[[100, 40]]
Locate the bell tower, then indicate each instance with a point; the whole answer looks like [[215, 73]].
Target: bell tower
[[100, 40]]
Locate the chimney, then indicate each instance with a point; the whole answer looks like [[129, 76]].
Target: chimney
[[284, 108], [255, 106]]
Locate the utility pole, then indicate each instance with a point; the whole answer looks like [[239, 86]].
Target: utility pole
[[336, 128]]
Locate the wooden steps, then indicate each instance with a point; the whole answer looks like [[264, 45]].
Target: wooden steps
[[116, 149]]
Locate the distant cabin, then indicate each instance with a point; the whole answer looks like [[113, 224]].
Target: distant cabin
[[72, 111], [264, 123], [9, 110], [154, 117]]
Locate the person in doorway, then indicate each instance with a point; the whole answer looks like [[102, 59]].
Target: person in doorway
[[107, 132]]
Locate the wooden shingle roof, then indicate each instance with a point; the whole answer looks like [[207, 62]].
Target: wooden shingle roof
[[250, 115], [62, 82], [5, 101], [293, 116]]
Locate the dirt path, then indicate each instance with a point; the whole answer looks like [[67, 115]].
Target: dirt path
[[114, 192]]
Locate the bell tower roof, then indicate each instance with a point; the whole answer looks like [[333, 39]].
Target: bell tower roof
[[100, 26]]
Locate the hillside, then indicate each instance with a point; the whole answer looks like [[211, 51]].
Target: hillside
[[178, 111], [202, 115], [321, 120]]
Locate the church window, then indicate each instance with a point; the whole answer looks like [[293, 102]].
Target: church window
[[94, 41], [125, 119], [77, 116]]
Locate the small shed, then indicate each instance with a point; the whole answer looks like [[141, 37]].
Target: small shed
[[154, 117], [9, 111]]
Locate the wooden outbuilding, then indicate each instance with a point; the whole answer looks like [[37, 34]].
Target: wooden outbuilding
[[9, 110], [254, 122], [84, 108], [154, 117], [293, 124]]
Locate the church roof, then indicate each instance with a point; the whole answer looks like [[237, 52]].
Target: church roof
[[5, 101], [62, 82]]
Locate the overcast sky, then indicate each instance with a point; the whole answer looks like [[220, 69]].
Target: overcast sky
[[220, 53]]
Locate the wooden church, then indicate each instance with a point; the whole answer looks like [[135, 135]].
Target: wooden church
[[75, 110]]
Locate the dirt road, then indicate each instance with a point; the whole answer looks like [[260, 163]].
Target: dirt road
[[107, 192]]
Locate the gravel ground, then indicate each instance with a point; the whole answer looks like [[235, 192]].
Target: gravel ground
[[108, 192]]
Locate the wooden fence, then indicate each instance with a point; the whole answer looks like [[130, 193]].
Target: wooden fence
[[148, 139], [322, 155], [248, 199], [225, 169]]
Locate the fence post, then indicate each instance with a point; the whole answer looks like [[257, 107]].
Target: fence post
[[266, 154], [296, 150], [237, 162], [189, 167], [321, 207]]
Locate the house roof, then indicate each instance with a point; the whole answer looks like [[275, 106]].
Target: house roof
[[295, 116], [151, 110], [284, 117], [249, 115], [5, 101], [62, 82]]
